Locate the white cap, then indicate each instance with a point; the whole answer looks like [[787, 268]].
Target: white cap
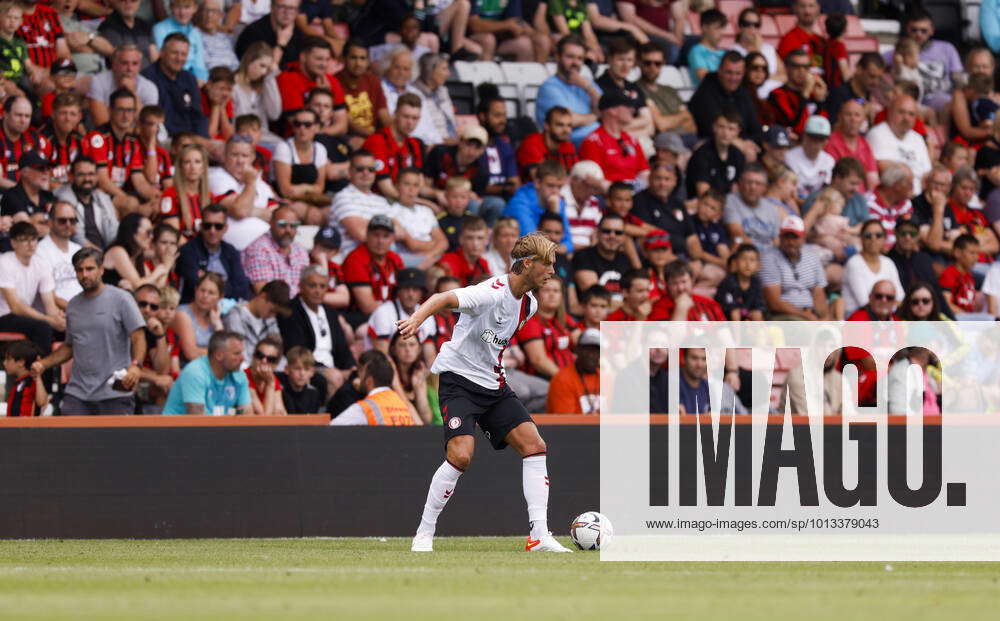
[[590, 336], [817, 126], [793, 224]]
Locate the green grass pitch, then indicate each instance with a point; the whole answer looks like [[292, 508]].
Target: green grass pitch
[[466, 578]]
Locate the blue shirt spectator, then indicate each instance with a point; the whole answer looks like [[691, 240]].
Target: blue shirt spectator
[[196, 54], [701, 57], [180, 97], [212, 384], [989, 24], [556, 92], [526, 207]]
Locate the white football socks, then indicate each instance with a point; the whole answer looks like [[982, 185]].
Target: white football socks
[[442, 488], [535, 479]]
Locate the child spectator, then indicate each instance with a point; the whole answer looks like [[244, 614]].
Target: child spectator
[[705, 56], [217, 102], [955, 155], [809, 161], [170, 299], [249, 125], [982, 107], [596, 304], [718, 162], [15, 65], [150, 120], [832, 230], [905, 64], [711, 242], [420, 241], [458, 194], [957, 282], [180, 20], [326, 247], [64, 80], [265, 387], [620, 202], [27, 395], [659, 254], [836, 61], [466, 262], [297, 391], [740, 294]]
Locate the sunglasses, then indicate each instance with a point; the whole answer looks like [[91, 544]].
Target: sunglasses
[[370, 169], [884, 297], [259, 355], [873, 235], [749, 24], [920, 301], [149, 305], [208, 226], [906, 233], [613, 231], [653, 63], [298, 124], [288, 224], [66, 220]]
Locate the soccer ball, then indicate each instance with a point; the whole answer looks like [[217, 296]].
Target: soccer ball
[[591, 531]]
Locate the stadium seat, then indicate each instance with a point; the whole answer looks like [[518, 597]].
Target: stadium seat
[[463, 95], [868, 44], [971, 13], [733, 8], [524, 73], [768, 28], [479, 72], [511, 94], [784, 23]]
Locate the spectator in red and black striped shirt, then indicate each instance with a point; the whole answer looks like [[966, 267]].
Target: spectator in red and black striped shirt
[[16, 137], [27, 395], [156, 164], [395, 149], [43, 32], [800, 97], [549, 336], [66, 142]]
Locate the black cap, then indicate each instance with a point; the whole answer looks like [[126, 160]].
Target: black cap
[[907, 224], [32, 159], [381, 222], [411, 277], [612, 99], [328, 237], [63, 65]]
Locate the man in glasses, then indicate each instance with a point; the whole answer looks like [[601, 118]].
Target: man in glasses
[[208, 252], [882, 300], [668, 109], [940, 65], [914, 264], [58, 248], [313, 71], [358, 203], [604, 263], [24, 276], [792, 276], [276, 255], [97, 219], [805, 35], [317, 327], [30, 199]]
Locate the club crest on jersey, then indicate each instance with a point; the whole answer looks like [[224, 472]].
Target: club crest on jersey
[[489, 336], [454, 422]]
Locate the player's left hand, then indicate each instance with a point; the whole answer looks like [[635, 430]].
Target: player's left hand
[[407, 327]]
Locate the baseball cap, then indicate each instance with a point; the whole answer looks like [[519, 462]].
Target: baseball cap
[[817, 126], [411, 277], [380, 221], [657, 239], [793, 224], [777, 137], [63, 65], [32, 159], [669, 141], [475, 132], [612, 99], [590, 337], [328, 237]]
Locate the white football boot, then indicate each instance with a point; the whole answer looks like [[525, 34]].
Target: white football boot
[[547, 543], [423, 542]]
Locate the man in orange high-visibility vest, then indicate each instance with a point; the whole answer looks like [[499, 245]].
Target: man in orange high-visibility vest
[[382, 405]]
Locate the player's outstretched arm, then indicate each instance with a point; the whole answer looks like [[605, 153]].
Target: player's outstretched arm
[[436, 303]]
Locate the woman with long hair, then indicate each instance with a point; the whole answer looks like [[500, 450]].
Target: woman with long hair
[[125, 262], [505, 234], [181, 204], [166, 240], [548, 338], [749, 40], [921, 304], [412, 373], [195, 322], [256, 89], [300, 165], [265, 387], [756, 81], [868, 267], [966, 215]]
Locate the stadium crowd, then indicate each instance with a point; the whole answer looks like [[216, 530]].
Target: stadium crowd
[[162, 163]]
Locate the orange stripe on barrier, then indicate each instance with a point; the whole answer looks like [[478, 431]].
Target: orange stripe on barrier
[[297, 420]]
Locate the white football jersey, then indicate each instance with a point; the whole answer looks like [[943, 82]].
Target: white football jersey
[[490, 316]]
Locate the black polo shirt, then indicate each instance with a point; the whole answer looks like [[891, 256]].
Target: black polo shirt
[[706, 165], [262, 30], [631, 90], [180, 99], [114, 29], [15, 200], [670, 216]]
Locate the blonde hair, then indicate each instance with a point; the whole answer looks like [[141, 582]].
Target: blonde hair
[[169, 297], [505, 223], [532, 246], [299, 355], [907, 45], [7, 6], [830, 196], [187, 220], [779, 172], [458, 183], [256, 50]]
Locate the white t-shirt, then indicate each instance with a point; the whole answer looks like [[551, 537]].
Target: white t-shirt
[[911, 150], [991, 284], [285, 152], [859, 280], [382, 323], [63, 274], [419, 220], [323, 353], [26, 280], [813, 175], [243, 232], [490, 315], [353, 202]]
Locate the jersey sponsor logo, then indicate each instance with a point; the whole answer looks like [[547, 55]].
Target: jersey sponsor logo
[[489, 336], [454, 423]]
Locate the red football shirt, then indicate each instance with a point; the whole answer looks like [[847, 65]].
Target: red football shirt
[[799, 38], [40, 31], [170, 207], [458, 266], [294, 85], [621, 159], [704, 309], [556, 337], [392, 156], [962, 287], [533, 152], [361, 270], [121, 157]]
